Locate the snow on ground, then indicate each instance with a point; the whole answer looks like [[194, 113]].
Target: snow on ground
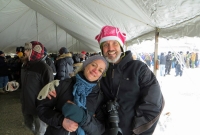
[[182, 100]]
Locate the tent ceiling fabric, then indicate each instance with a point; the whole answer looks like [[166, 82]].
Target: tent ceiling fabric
[[75, 23]]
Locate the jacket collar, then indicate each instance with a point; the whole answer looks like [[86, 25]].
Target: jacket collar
[[127, 58], [64, 55]]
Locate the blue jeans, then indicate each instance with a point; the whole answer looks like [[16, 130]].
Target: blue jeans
[[162, 70], [37, 126], [173, 64], [3, 81]]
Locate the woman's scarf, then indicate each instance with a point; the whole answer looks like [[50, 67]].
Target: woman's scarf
[[81, 90]]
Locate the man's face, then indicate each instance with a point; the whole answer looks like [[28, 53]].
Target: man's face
[[111, 51]]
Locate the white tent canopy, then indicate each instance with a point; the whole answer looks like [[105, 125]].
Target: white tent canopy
[[75, 23]]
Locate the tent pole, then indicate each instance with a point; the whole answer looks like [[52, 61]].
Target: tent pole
[[156, 63], [57, 37], [37, 25], [66, 39], [73, 44], [79, 45]]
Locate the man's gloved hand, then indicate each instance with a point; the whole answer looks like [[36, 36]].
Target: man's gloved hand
[[12, 86], [47, 88], [75, 113]]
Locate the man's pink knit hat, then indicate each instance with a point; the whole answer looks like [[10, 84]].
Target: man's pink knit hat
[[111, 33]]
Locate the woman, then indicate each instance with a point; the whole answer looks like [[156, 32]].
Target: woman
[[80, 97]]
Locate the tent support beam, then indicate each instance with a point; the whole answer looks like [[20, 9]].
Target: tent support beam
[[66, 39], [156, 52], [57, 38], [37, 25]]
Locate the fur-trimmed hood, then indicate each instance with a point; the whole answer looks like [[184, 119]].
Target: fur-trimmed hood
[[64, 55]]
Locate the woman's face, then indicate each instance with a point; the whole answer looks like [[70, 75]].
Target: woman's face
[[94, 70]]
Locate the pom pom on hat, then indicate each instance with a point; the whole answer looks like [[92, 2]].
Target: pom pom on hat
[[111, 33]]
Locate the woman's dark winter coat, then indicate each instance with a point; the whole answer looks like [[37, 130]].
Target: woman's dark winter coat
[[50, 111]]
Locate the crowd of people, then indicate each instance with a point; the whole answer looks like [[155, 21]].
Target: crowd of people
[[88, 94], [171, 60], [63, 65]]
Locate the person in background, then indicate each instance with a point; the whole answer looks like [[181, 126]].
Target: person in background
[[74, 110], [130, 84], [197, 60], [49, 61], [35, 74], [20, 55], [3, 72], [193, 57], [179, 63], [178, 70], [162, 64], [134, 56], [173, 60], [187, 59], [83, 56], [64, 64], [168, 63], [77, 62], [147, 59]]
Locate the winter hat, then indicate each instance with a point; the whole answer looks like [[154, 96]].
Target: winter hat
[[20, 54], [111, 33], [83, 52], [93, 58], [1, 52], [37, 50], [63, 50]]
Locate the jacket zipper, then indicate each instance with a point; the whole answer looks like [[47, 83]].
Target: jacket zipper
[[113, 71]]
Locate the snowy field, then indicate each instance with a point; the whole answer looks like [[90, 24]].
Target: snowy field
[[182, 101]]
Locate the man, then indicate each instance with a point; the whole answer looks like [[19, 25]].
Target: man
[[168, 63], [131, 84], [64, 64], [162, 64], [187, 59], [193, 57], [3, 72], [35, 74]]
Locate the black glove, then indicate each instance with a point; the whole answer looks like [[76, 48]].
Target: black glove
[[75, 113]]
